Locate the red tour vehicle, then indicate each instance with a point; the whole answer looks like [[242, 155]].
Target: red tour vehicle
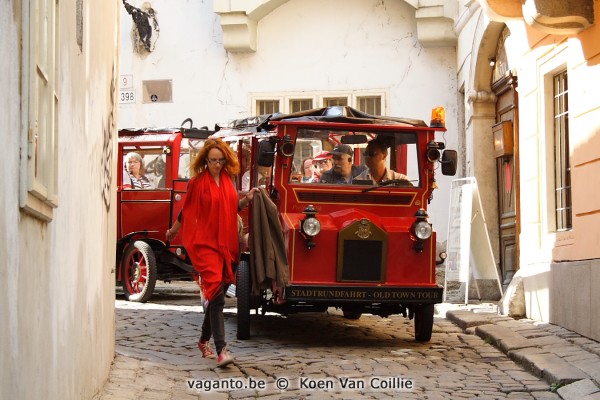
[[144, 214], [352, 238], [363, 245]]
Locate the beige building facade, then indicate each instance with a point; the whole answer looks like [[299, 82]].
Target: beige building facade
[[527, 77], [57, 209]]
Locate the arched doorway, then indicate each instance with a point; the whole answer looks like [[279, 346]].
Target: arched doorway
[[505, 139]]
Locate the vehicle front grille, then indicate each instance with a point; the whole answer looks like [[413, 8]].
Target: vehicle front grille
[[362, 247], [362, 261], [373, 198]]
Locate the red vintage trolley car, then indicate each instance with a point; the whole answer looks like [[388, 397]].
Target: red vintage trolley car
[[363, 245]]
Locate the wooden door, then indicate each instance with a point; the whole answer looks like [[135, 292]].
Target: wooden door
[[506, 145]]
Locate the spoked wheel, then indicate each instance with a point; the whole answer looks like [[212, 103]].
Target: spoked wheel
[[423, 322], [138, 273], [243, 288]]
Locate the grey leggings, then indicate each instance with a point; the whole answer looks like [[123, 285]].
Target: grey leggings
[[214, 321]]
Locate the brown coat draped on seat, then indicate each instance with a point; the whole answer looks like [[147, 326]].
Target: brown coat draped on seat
[[268, 260]]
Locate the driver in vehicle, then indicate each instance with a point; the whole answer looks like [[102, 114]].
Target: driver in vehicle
[[375, 155], [343, 170]]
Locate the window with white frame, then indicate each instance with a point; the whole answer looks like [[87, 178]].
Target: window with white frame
[[368, 102], [267, 106], [297, 105], [39, 154], [562, 166], [335, 101]]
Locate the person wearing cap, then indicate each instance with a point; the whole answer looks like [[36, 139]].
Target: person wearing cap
[[375, 155], [343, 171], [321, 163]]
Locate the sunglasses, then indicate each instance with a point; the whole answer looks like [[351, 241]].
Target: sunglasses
[[221, 161]]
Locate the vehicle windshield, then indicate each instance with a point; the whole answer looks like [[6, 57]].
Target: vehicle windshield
[[355, 158], [188, 151]]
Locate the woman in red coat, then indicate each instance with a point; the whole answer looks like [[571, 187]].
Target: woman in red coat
[[210, 236]]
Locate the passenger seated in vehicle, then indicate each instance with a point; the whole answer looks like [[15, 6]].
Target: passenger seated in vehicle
[[307, 169], [343, 171], [246, 168], [321, 163], [375, 155], [133, 176]]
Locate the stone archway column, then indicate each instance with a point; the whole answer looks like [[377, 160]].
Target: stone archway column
[[481, 160]]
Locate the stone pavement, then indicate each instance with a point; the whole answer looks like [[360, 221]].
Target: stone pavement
[[569, 362], [156, 356]]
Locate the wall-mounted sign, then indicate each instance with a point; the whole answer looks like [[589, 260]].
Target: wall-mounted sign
[[126, 82], [126, 96], [157, 91]]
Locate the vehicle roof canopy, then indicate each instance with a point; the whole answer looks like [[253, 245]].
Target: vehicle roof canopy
[[192, 133], [261, 125], [345, 114]]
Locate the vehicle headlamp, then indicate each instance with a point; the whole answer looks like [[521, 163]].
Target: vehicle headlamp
[[423, 230], [311, 226]]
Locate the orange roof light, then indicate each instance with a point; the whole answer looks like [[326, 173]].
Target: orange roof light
[[438, 118]]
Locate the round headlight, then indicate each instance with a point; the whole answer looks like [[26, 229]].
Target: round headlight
[[423, 230], [311, 226]]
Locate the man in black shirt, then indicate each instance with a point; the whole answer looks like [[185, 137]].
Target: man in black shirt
[[343, 171]]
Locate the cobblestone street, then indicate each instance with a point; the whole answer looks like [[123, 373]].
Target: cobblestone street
[[310, 355]]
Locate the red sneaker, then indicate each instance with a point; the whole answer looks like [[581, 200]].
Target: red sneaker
[[225, 358], [205, 349]]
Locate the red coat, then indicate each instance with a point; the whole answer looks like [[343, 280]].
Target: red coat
[[209, 224]]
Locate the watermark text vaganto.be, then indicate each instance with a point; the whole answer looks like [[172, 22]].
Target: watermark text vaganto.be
[[387, 383]]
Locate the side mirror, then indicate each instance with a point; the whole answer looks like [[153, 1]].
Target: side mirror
[[266, 153], [449, 162]]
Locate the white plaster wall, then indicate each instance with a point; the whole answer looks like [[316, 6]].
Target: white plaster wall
[[9, 197], [303, 45], [56, 280]]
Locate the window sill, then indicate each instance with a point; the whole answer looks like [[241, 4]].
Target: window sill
[[37, 208]]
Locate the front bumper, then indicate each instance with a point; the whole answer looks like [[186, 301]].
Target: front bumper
[[363, 295]]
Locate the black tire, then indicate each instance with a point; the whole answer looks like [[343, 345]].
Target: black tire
[[138, 272], [423, 322], [351, 314], [243, 288]]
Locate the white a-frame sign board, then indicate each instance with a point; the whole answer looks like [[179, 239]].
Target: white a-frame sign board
[[469, 249]]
